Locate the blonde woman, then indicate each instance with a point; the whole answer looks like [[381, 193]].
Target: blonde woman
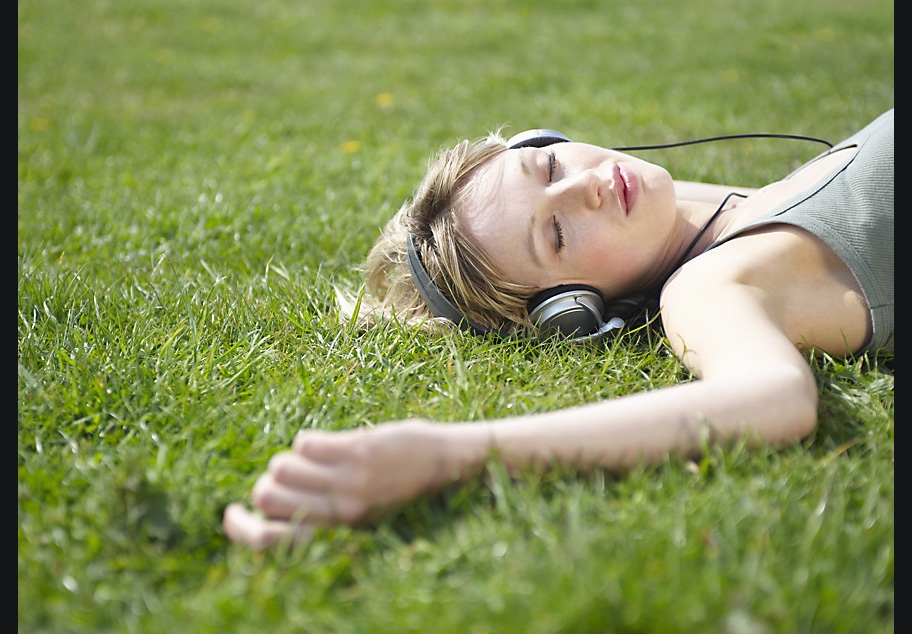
[[550, 236]]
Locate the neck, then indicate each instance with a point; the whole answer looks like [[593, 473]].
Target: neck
[[704, 224], [699, 225]]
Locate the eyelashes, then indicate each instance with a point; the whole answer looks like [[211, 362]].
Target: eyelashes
[[558, 235], [558, 230]]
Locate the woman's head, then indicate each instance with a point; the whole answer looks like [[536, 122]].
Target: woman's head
[[494, 226], [452, 258]]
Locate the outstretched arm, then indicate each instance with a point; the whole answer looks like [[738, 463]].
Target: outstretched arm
[[345, 477], [758, 384]]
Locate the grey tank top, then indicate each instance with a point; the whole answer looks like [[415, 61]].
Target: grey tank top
[[851, 210]]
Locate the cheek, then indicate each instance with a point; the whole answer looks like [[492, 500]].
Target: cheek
[[608, 259], [617, 265]]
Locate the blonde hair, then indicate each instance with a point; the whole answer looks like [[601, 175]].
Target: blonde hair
[[460, 269]]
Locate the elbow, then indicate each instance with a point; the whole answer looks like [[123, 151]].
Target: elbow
[[805, 421], [783, 405], [800, 398]]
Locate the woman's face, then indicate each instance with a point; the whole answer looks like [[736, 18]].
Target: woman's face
[[572, 213]]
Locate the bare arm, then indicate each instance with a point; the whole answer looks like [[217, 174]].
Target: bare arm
[[757, 384], [754, 381]]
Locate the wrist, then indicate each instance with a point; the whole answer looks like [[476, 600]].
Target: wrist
[[464, 449]]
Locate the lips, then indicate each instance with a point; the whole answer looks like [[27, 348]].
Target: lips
[[627, 188]]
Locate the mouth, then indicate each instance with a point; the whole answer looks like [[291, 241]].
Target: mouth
[[627, 188]]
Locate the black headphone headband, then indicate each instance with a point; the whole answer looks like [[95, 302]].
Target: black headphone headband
[[439, 305], [539, 137]]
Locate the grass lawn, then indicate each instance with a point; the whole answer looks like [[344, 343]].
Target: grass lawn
[[195, 177]]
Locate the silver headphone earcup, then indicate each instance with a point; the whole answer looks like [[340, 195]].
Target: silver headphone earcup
[[573, 313]]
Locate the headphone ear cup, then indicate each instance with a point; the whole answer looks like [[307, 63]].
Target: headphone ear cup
[[570, 311], [633, 310]]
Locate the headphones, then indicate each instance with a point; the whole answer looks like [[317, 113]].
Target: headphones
[[571, 311]]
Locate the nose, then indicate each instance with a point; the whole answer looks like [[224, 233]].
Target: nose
[[585, 189]]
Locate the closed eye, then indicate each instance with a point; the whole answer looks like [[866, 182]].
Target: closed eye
[[558, 236], [552, 163]]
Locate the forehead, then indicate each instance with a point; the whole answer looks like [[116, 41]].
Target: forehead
[[496, 213], [485, 185], [493, 196]]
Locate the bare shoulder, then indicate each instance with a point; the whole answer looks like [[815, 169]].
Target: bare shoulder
[[707, 192], [775, 279]]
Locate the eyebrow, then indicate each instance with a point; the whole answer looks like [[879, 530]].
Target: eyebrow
[[522, 162], [530, 241], [530, 238]]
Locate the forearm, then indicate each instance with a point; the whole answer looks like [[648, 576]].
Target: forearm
[[621, 433]]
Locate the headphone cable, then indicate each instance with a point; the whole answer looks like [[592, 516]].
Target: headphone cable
[[724, 137]]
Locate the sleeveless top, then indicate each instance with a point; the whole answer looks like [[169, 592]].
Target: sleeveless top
[[851, 210]]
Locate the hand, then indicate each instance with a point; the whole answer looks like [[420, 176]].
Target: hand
[[332, 478]]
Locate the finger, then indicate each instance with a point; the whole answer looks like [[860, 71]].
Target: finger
[[258, 532], [324, 446], [283, 502], [295, 471], [277, 500]]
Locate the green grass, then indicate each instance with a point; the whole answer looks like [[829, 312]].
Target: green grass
[[193, 180]]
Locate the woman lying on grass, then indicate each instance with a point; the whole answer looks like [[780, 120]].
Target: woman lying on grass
[[746, 284]]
